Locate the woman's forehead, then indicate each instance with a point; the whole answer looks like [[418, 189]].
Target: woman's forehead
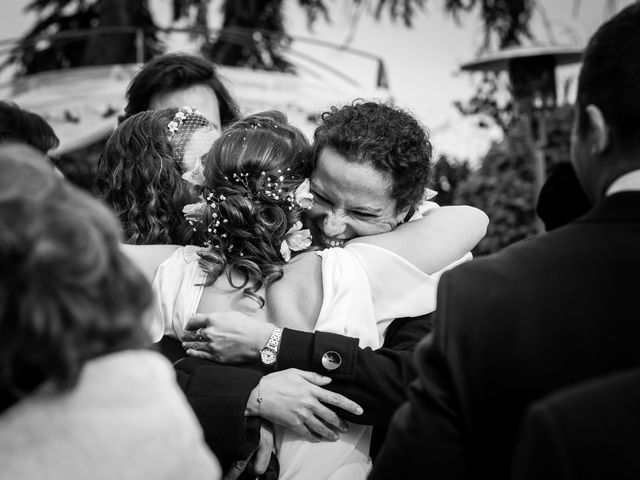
[[350, 183]]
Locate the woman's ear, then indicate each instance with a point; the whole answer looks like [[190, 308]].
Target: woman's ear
[[600, 137]]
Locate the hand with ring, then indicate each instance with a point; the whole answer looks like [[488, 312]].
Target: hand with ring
[[226, 337], [199, 336]]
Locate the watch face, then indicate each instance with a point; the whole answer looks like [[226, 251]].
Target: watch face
[[268, 356]]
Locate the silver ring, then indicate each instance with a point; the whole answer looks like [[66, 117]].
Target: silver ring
[[200, 336]]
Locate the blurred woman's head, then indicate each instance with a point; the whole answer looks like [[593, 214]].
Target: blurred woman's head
[[18, 125], [67, 293], [177, 79], [143, 170]]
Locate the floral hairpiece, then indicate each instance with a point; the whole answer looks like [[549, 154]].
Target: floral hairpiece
[[296, 238], [175, 124]]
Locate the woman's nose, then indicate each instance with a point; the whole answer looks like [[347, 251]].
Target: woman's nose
[[333, 225]]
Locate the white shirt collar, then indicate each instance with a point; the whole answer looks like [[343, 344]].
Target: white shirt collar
[[627, 182]]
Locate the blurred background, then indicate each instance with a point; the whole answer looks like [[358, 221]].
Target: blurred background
[[492, 80]]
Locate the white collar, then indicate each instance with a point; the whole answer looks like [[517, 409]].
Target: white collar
[[628, 181]]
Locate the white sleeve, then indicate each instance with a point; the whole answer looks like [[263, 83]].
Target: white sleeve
[[177, 288], [398, 288], [365, 287]]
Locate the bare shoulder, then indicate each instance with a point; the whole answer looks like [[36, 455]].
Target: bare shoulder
[[148, 257], [295, 300]]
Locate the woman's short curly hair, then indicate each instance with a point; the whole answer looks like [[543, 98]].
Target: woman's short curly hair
[[140, 178], [251, 157], [385, 137], [67, 292]]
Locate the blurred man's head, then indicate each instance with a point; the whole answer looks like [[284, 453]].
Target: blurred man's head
[[605, 140], [178, 80]]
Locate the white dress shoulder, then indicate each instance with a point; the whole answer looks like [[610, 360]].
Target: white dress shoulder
[[177, 287], [364, 288]]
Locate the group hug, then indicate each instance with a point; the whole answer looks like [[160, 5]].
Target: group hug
[[235, 300]]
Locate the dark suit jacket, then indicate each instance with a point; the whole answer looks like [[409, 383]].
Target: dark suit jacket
[[587, 432], [511, 328]]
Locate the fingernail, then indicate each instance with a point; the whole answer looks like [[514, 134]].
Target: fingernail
[[344, 427], [334, 437], [359, 411]]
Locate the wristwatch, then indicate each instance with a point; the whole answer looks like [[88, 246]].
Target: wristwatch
[[269, 354]]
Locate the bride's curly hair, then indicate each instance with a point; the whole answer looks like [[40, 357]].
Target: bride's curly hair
[[252, 173], [140, 176]]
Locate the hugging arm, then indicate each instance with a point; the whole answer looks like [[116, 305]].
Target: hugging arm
[[441, 237], [375, 379], [230, 403]]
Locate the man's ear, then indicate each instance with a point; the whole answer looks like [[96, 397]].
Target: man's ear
[[599, 130]]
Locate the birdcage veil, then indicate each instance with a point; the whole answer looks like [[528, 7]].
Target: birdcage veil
[[191, 136]]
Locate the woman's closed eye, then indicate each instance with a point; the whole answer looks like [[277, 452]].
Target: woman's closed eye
[[365, 215], [317, 197]]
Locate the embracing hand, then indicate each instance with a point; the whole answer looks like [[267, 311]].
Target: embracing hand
[[226, 337], [258, 461], [294, 399]]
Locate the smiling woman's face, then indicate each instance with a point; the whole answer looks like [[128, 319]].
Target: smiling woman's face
[[350, 200]]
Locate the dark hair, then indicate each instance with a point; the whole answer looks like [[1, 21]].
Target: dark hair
[[609, 76], [18, 125], [177, 71], [251, 175], [384, 137], [67, 292], [561, 199], [141, 180]]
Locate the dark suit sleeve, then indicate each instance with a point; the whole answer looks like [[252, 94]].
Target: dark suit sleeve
[[218, 395], [541, 452], [425, 433], [375, 379]]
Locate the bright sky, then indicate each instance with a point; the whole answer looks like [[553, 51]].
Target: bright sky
[[421, 62]]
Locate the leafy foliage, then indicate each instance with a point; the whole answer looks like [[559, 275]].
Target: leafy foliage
[[54, 42], [503, 188], [404, 9], [253, 33], [508, 20], [492, 98], [252, 36], [503, 185]]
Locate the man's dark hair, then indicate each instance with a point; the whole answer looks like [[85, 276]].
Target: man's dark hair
[[18, 125], [385, 137], [177, 71], [609, 76]]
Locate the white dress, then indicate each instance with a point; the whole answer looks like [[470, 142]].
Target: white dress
[[364, 288]]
